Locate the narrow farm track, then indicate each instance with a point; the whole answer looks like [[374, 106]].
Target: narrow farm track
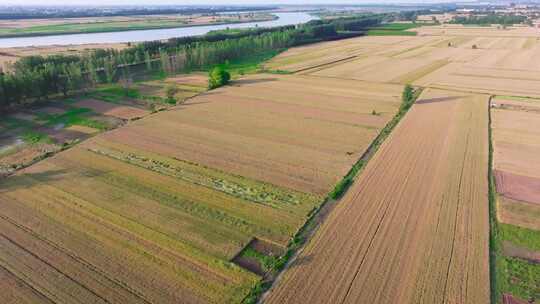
[[414, 227]]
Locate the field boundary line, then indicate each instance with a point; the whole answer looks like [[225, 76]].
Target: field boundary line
[[494, 236], [325, 64]]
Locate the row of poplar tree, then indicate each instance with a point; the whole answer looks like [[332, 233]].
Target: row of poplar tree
[[36, 78]]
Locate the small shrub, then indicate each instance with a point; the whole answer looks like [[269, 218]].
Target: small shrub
[[171, 92], [32, 137], [218, 77]]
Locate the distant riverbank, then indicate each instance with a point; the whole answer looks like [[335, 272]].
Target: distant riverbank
[[161, 32], [139, 23]]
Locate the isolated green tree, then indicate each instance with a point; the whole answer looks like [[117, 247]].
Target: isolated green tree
[[218, 77]]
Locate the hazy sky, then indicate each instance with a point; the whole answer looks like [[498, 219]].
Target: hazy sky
[[202, 2]]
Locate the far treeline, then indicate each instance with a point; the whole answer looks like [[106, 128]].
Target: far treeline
[[490, 19], [37, 78]]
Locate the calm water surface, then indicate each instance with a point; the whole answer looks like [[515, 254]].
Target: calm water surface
[[146, 35]]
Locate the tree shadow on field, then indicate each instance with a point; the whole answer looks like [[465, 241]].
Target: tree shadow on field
[[240, 82], [438, 99], [301, 260], [28, 180]]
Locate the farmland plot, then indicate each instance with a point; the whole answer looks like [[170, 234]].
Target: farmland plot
[[516, 140], [108, 225], [155, 212], [414, 227], [460, 30], [321, 54], [284, 130]]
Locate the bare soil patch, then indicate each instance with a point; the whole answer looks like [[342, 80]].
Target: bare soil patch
[[509, 299], [515, 251], [190, 79], [518, 213], [518, 187]]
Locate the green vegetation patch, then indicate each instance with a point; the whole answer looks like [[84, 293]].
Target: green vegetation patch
[[33, 137], [75, 116], [490, 19], [522, 237], [393, 29], [267, 262], [248, 64], [390, 33], [519, 278], [115, 94]]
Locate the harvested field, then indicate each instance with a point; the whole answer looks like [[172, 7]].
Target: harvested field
[[518, 213], [517, 104], [110, 109], [414, 227], [518, 187], [293, 126], [122, 230], [516, 141], [157, 210], [460, 30], [321, 54], [514, 251], [509, 299], [503, 65]]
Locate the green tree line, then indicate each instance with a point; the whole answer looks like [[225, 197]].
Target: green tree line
[[490, 19], [36, 78]]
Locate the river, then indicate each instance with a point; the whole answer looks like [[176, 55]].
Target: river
[[146, 35]]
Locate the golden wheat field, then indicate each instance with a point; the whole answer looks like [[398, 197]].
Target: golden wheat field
[[281, 129], [457, 58], [414, 227]]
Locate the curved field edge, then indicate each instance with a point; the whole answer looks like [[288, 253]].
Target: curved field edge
[[295, 246]]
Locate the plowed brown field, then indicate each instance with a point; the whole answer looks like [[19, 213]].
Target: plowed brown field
[[414, 227]]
